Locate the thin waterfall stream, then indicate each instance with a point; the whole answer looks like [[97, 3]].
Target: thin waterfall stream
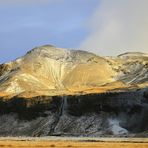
[[62, 111], [64, 105]]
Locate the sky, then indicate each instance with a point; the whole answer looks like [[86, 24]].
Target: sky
[[105, 27]]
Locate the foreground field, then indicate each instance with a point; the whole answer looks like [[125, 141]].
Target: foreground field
[[74, 142]]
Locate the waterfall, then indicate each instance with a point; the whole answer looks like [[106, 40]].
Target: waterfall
[[62, 111], [64, 105]]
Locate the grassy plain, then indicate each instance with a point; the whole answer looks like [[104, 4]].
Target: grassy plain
[[49, 142]]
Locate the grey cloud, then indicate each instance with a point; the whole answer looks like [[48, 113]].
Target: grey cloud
[[118, 26]]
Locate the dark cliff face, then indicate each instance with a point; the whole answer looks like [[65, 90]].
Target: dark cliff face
[[28, 109], [110, 114]]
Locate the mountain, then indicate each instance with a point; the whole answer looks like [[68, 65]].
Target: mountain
[[50, 71], [56, 91]]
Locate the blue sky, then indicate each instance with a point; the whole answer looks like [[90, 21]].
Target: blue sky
[[26, 24], [105, 27]]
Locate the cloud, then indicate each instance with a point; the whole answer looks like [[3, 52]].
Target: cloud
[[28, 2], [118, 26]]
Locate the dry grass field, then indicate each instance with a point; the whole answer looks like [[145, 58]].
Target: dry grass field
[[59, 144], [89, 143]]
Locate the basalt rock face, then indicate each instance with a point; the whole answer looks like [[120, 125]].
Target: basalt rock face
[[54, 91], [110, 114]]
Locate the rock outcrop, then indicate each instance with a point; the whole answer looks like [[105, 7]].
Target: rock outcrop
[[54, 91]]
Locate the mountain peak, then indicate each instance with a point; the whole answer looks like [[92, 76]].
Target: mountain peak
[[61, 71]]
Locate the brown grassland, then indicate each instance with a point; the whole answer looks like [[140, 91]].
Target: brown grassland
[[32, 144], [16, 143]]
